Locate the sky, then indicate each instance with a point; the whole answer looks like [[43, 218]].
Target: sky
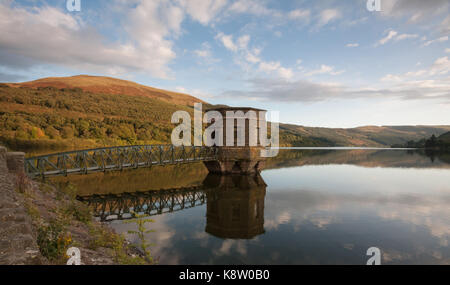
[[319, 63]]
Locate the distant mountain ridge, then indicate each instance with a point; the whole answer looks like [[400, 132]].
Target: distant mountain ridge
[[109, 85], [367, 135], [88, 111]]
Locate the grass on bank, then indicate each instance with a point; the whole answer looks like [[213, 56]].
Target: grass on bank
[[61, 221]]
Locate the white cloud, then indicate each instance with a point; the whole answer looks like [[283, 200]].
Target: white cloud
[[227, 41], [325, 69], [430, 83], [389, 37], [414, 10], [447, 50], [243, 41], [203, 11], [438, 40], [275, 66], [252, 56], [355, 22], [205, 54], [205, 51], [406, 36], [391, 77], [328, 16], [251, 7], [445, 26], [280, 90], [417, 73], [47, 35], [286, 91], [352, 45], [259, 8], [440, 67], [394, 35], [299, 14], [201, 94]]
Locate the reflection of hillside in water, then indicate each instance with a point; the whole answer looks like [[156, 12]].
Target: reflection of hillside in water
[[235, 204], [361, 157], [135, 180], [336, 208], [186, 175], [437, 155]]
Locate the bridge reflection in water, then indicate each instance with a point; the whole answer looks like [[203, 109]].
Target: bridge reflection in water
[[234, 204]]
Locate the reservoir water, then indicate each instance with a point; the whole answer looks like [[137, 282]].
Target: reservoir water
[[314, 206]]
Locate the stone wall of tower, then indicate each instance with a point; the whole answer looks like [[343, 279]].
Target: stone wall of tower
[[236, 159]]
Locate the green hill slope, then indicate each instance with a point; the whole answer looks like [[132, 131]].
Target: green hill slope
[[368, 135], [445, 137], [87, 111], [72, 118]]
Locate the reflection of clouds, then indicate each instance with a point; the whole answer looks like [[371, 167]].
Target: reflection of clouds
[[228, 245], [202, 237], [320, 209], [161, 239], [395, 256], [390, 255], [432, 215], [298, 207], [336, 215], [334, 179], [282, 218], [322, 222]]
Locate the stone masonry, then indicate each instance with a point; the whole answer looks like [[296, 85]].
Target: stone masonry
[[17, 243], [236, 159]]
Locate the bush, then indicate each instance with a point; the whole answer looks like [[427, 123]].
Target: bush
[[22, 182], [79, 211], [53, 241]]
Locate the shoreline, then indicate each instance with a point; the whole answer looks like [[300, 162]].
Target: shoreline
[[39, 223]]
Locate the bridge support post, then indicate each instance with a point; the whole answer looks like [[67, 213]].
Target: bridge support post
[[236, 160], [15, 162]]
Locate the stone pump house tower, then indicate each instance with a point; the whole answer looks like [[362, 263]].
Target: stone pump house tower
[[238, 158]]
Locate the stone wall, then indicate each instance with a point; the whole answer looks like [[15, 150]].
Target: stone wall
[[238, 158], [17, 241], [15, 162]]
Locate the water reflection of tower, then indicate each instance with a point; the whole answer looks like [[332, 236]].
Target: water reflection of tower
[[235, 207]]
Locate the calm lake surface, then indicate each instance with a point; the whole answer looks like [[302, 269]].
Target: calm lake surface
[[308, 207]]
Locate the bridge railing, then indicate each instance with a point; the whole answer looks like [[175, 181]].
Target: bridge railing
[[115, 158], [155, 202]]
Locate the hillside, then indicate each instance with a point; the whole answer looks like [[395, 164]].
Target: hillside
[[445, 137], [440, 143], [108, 85], [52, 118], [434, 142], [368, 135], [87, 111], [365, 158]]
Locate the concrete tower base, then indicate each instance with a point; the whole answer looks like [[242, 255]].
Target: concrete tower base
[[237, 160]]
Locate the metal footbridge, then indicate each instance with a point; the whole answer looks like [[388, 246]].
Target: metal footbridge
[[115, 158], [154, 202]]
